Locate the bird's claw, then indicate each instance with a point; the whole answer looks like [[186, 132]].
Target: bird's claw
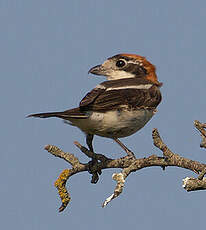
[[94, 170]]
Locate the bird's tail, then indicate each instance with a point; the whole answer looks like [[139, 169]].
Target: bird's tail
[[47, 115], [66, 115]]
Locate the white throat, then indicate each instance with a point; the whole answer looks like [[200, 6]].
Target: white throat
[[119, 75]]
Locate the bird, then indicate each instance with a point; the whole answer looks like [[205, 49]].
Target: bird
[[119, 106]]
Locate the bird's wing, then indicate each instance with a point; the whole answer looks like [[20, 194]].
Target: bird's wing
[[116, 96]]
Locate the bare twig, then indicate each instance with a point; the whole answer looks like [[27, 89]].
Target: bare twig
[[194, 184], [57, 152], [201, 127], [119, 177], [201, 175]]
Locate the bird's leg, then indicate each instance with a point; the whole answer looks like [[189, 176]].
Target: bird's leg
[[89, 140], [93, 162], [128, 151]]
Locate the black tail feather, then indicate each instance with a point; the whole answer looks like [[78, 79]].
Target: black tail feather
[[47, 115], [73, 113]]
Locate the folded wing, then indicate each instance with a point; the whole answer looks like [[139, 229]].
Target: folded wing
[[112, 96]]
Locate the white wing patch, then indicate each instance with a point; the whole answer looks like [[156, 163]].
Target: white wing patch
[[100, 87], [142, 86]]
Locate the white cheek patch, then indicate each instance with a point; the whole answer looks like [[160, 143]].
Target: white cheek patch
[[119, 74]]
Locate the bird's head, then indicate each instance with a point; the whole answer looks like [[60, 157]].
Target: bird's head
[[126, 66]]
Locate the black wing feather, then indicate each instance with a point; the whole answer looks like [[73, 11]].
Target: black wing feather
[[90, 97]]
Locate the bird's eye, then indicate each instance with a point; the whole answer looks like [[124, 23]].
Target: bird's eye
[[120, 63]]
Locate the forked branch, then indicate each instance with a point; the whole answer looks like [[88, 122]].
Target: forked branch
[[128, 164]]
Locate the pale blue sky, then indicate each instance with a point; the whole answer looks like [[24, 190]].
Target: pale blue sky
[[46, 49]]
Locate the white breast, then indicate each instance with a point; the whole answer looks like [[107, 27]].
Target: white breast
[[116, 123]]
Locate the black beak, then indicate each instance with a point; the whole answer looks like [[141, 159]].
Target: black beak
[[98, 70]]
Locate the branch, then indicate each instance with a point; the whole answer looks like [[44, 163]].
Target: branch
[[119, 177], [127, 164], [194, 184], [201, 127]]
